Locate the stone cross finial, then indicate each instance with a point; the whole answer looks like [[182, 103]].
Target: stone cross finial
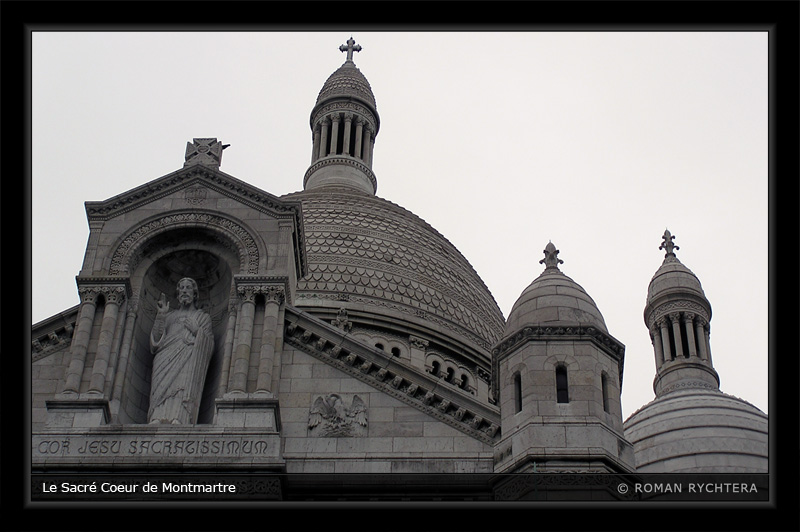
[[667, 244], [551, 260], [206, 151], [350, 48]]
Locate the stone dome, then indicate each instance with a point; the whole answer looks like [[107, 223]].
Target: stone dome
[[347, 81], [370, 255], [553, 299], [673, 278], [674, 281], [699, 430]]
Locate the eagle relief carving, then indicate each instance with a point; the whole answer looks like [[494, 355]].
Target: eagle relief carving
[[330, 416]]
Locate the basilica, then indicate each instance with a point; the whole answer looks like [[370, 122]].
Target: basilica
[[224, 329]]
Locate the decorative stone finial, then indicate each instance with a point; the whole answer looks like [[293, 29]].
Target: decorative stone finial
[[551, 260], [350, 48], [668, 245], [207, 152]]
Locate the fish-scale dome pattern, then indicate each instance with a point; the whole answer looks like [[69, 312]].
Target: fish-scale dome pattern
[[347, 80], [372, 249]]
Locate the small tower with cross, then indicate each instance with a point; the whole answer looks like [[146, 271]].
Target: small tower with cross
[[557, 368], [344, 124]]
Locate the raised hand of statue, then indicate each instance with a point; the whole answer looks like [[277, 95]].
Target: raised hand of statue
[[162, 304]]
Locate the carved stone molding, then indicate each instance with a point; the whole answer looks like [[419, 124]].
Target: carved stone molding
[[342, 160], [665, 310], [45, 344], [688, 385], [102, 210], [400, 386], [113, 289], [353, 107], [246, 246], [544, 333], [376, 301], [274, 289]]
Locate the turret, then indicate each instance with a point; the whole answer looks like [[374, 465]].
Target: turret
[[344, 124], [559, 376], [678, 316], [691, 426]]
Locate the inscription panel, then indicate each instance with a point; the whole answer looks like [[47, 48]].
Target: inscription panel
[[136, 446]]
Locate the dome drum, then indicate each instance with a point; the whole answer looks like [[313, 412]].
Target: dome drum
[[337, 170], [675, 375]]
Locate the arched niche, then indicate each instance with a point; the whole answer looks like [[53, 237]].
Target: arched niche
[[205, 256]]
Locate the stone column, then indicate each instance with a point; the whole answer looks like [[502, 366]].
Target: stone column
[[701, 336], [80, 340], [707, 340], [371, 147], [359, 132], [662, 324], [230, 333], [334, 133], [113, 363], [348, 120], [676, 330], [244, 338], [125, 349], [655, 335], [367, 158], [688, 322], [323, 143], [315, 148], [114, 297], [273, 296]]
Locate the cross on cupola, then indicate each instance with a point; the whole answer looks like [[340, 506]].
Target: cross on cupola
[[350, 48], [668, 246], [551, 260]]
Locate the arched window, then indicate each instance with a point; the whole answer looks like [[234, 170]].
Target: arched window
[[435, 368], [518, 392], [562, 387], [450, 373], [604, 385], [379, 346], [396, 351]]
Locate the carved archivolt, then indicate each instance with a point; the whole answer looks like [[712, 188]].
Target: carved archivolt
[[125, 256]]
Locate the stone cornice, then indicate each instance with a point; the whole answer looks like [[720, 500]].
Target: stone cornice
[[273, 288], [677, 303], [607, 343], [321, 112], [374, 367], [342, 160], [216, 180], [225, 184], [105, 284]]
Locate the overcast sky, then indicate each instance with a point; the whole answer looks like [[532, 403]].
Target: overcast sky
[[597, 141]]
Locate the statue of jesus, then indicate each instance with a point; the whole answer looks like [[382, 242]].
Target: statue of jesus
[[182, 342]]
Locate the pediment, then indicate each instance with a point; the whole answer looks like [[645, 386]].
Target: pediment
[[195, 182], [337, 348]]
